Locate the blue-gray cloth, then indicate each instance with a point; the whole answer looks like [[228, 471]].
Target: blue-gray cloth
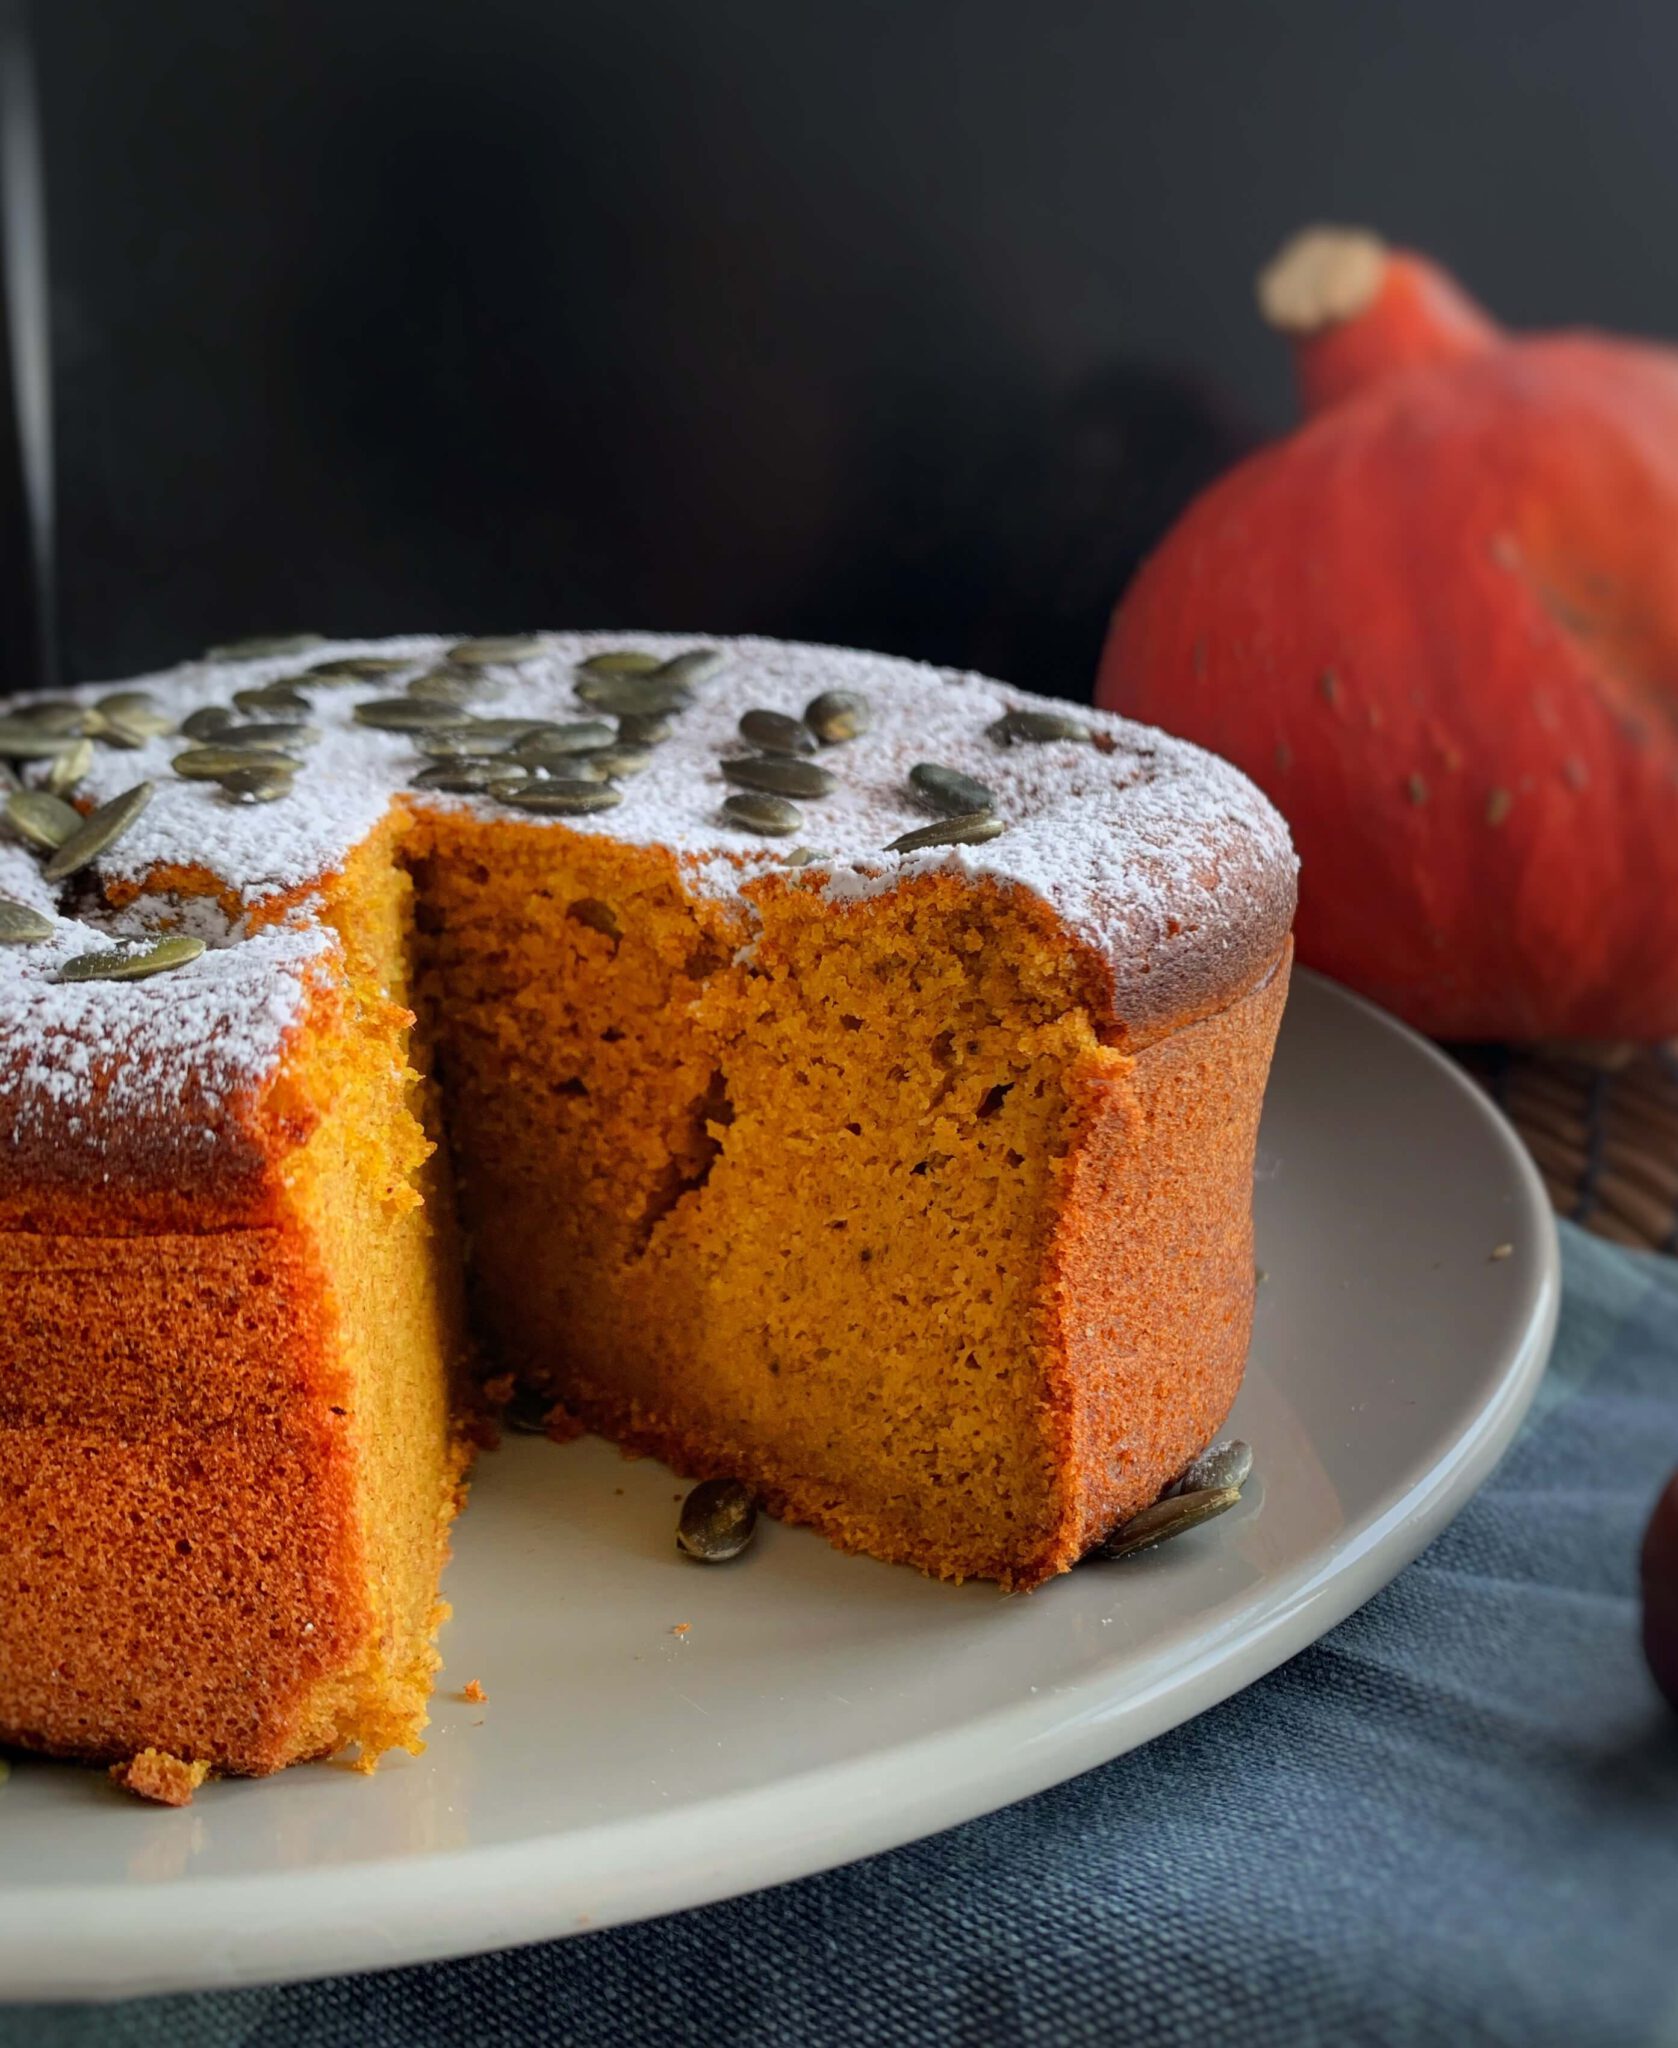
[[1453, 1820]]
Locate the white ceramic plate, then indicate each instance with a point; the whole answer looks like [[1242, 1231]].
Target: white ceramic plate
[[658, 1734]]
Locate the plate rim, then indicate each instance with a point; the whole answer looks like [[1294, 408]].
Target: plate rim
[[281, 1927]]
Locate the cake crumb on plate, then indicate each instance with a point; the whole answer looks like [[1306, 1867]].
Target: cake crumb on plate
[[156, 1775], [472, 1693]]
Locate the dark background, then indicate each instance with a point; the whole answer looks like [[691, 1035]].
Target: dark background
[[901, 322]]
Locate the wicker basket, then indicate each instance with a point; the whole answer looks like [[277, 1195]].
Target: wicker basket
[[1602, 1124]]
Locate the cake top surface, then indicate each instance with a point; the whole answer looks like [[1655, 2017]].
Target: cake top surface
[[1161, 858]]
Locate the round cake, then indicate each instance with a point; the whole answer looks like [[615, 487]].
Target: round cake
[[810, 1067]]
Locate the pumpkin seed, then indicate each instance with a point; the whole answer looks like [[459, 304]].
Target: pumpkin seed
[[261, 785], [581, 736], [454, 686], [408, 714], [117, 731], [718, 1520], [772, 816], [206, 721], [838, 715], [773, 732], [619, 661], [461, 778], [131, 717], [779, 777], [949, 791], [22, 741], [97, 833], [697, 666], [278, 702], [495, 648], [21, 926], [211, 763], [1036, 727], [265, 646], [561, 799], [69, 768], [547, 768], [512, 728], [612, 761], [136, 709], [651, 696], [53, 715], [176, 950], [460, 743], [267, 735], [356, 668], [1165, 1519], [1221, 1464], [801, 857], [972, 830], [643, 729], [42, 817]]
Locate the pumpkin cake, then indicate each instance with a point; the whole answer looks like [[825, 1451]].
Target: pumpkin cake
[[767, 1117]]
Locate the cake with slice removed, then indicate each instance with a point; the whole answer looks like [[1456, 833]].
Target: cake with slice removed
[[862, 1106]]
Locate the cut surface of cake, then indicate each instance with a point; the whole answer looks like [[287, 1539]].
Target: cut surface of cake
[[910, 1185]]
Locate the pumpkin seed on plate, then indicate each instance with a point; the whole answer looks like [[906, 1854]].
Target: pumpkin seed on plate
[[1037, 727], [265, 646], [718, 1520], [838, 715], [497, 649], [949, 791], [773, 732], [561, 798], [778, 776], [619, 661], [259, 785], [1228, 1463], [972, 830], [408, 714], [97, 833], [68, 768], [175, 950], [1165, 1519], [22, 926], [759, 811], [211, 763], [42, 817]]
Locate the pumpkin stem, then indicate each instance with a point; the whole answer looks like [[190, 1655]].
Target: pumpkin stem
[[1356, 310]]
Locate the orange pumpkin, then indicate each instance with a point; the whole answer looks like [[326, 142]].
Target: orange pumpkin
[[1438, 624]]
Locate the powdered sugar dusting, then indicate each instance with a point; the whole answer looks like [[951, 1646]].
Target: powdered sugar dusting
[[1150, 851]]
